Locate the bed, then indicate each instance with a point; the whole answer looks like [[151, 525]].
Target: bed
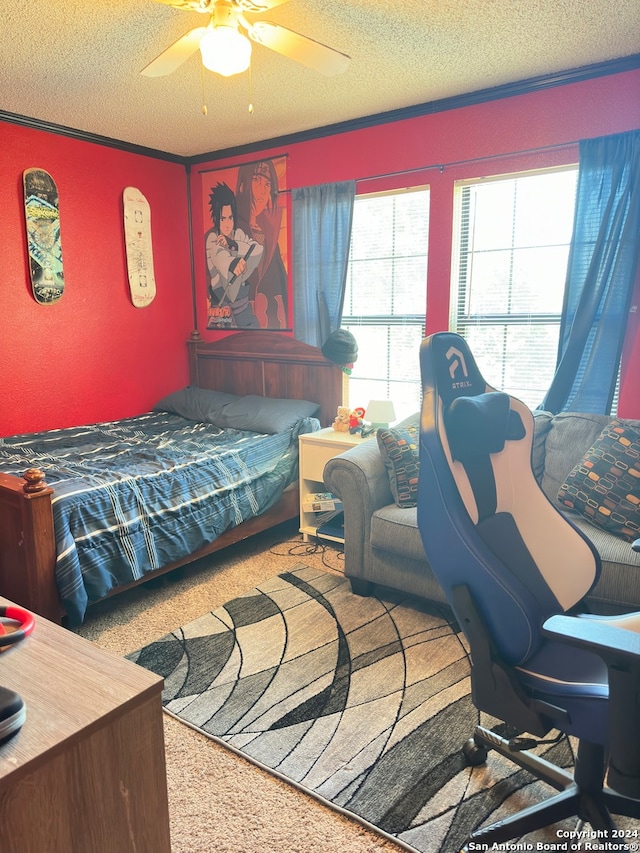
[[53, 561]]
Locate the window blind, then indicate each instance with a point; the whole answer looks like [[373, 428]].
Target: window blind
[[511, 244], [385, 299]]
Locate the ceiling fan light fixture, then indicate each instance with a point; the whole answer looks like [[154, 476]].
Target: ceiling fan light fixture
[[225, 50]]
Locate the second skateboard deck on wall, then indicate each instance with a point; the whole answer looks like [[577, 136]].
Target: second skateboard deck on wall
[[139, 248]]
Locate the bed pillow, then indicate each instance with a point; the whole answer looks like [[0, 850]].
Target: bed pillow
[[399, 447], [265, 414], [196, 404], [604, 486]]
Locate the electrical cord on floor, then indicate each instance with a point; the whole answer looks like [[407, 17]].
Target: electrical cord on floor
[[299, 548]]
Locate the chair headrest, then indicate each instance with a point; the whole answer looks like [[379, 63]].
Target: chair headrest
[[480, 425]]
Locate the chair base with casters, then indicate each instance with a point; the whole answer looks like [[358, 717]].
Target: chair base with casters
[[582, 794], [515, 571]]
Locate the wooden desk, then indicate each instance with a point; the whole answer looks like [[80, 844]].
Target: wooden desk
[[86, 773]]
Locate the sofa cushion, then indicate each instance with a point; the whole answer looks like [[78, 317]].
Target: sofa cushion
[[571, 433], [395, 530], [400, 449], [618, 589], [542, 422], [605, 485]]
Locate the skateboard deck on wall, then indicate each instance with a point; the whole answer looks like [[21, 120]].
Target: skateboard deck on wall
[[43, 235], [139, 249]]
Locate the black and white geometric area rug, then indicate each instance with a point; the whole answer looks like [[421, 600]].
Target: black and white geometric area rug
[[362, 703]]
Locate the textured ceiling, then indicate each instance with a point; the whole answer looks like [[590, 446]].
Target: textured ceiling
[[77, 63]]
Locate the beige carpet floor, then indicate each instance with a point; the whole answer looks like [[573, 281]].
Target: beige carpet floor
[[218, 802]]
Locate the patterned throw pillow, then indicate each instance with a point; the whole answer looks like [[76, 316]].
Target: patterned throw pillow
[[400, 450], [605, 486]]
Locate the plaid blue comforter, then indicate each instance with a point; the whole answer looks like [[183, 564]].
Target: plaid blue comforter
[[137, 494]]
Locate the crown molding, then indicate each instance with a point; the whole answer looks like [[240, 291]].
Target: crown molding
[[85, 136], [508, 90]]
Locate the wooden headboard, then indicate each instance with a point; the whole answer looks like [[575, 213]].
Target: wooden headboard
[[270, 364]]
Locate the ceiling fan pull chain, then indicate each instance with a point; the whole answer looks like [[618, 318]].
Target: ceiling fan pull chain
[[204, 94], [250, 90]]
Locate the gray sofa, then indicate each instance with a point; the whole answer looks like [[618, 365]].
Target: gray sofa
[[383, 545]]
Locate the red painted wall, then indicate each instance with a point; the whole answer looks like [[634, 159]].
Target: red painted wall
[[91, 356], [529, 131]]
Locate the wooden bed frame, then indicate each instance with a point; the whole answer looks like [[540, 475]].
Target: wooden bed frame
[[270, 364]]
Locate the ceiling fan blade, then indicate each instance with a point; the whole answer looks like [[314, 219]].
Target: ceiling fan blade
[[256, 6], [302, 49], [189, 5], [174, 56]]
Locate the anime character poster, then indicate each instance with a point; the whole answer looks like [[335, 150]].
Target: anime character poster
[[245, 216]]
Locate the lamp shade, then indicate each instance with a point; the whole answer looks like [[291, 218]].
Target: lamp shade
[[380, 413], [225, 50]]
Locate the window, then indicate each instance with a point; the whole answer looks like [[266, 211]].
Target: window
[[385, 298], [511, 247]]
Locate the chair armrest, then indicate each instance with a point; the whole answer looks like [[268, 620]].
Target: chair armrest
[[619, 648], [360, 480], [606, 636]]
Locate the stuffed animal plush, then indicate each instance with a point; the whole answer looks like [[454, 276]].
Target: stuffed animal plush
[[356, 420], [341, 422]]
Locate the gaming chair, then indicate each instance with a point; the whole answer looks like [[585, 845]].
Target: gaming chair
[[515, 570]]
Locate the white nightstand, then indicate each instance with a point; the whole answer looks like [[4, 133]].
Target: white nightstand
[[316, 448]]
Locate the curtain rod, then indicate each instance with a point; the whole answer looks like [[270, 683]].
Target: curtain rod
[[442, 166], [487, 158]]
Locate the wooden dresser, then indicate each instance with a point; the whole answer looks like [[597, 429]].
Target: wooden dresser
[[86, 773]]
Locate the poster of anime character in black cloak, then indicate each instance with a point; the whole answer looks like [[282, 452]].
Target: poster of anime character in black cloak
[[245, 213]]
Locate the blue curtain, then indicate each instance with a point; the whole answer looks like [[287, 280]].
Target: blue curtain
[[322, 217], [603, 263]]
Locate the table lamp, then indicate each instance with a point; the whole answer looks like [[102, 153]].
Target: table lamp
[[380, 413]]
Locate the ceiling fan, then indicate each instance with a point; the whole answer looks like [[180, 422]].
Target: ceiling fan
[[225, 47]]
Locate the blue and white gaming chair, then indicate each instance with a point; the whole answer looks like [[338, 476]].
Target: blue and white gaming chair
[[513, 569]]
